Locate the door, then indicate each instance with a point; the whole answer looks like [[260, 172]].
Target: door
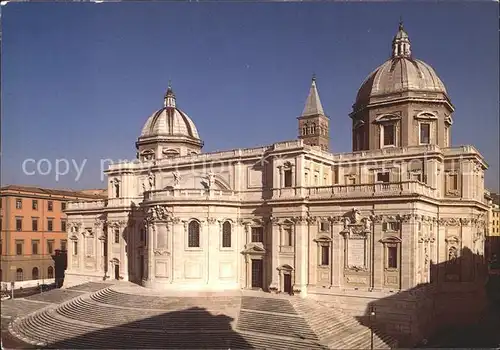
[[287, 283], [257, 273], [117, 271]]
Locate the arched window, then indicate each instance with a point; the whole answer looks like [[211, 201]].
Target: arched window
[[34, 273], [194, 234], [50, 272], [19, 274], [226, 235]]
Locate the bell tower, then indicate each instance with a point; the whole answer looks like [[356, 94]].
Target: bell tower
[[313, 123]]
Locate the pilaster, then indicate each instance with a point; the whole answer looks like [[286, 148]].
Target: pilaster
[[378, 253], [301, 253], [275, 242], [408, 251], [337, 252]]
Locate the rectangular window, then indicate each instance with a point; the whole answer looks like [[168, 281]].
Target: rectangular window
[[19, 224], [383, 177], [50, 247], [287, 236], [75, 248], [258, 234], [392, 257], [416, 176], [50, 205], [63, 245], [288, 178], [63, 225], [63, 206], [19, 247], [19, 203], [117, 236], [389, 138], [34, 224], [34, 204], [50, 225], [390, 226], [34, 247], [425, 133], [324, 226], [325, 255]]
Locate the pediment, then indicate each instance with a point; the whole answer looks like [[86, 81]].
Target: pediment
[[387, 118], [358, 124], [426, 115], [452, 239], [322, 238], [391, 239], [254, 249]]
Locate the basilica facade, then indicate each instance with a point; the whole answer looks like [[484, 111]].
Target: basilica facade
[[292, 217]]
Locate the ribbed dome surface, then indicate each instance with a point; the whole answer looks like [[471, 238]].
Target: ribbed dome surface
[[400, 74], [169, 121]]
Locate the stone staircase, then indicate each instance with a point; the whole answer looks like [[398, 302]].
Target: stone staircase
[[100, 317], [88, 322], [338, 330]]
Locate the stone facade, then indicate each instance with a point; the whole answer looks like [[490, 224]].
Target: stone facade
[[346, 229]]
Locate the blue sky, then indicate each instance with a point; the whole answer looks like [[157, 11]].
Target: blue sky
[[80, 79]]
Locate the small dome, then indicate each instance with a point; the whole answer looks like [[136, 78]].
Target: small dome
[[169, 121], [400, 74]]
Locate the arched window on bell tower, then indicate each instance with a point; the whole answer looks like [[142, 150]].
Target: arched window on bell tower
[[313, 121]]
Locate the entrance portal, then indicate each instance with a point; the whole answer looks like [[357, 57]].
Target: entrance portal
[[287, 283], [257, 273], [117, 271]]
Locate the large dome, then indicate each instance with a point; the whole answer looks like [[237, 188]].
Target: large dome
[[400, 73], [169, 121]]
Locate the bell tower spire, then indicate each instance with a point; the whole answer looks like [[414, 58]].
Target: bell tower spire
[[401, 43], [313, 123]]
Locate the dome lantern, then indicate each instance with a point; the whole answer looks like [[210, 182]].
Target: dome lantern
[[401, 43]]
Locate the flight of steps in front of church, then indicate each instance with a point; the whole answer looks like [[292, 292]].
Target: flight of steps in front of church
[[111, 319], [338, 330], [87, 322]]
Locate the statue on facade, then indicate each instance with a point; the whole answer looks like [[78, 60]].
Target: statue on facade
[[177, 178], [356, 216], [151, 180], [211, 179], [347, 222], [367, 224], [452, 254], [161, 212]]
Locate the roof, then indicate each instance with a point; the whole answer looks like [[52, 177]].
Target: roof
[[495, 198], [313, 103], [55, 192]]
